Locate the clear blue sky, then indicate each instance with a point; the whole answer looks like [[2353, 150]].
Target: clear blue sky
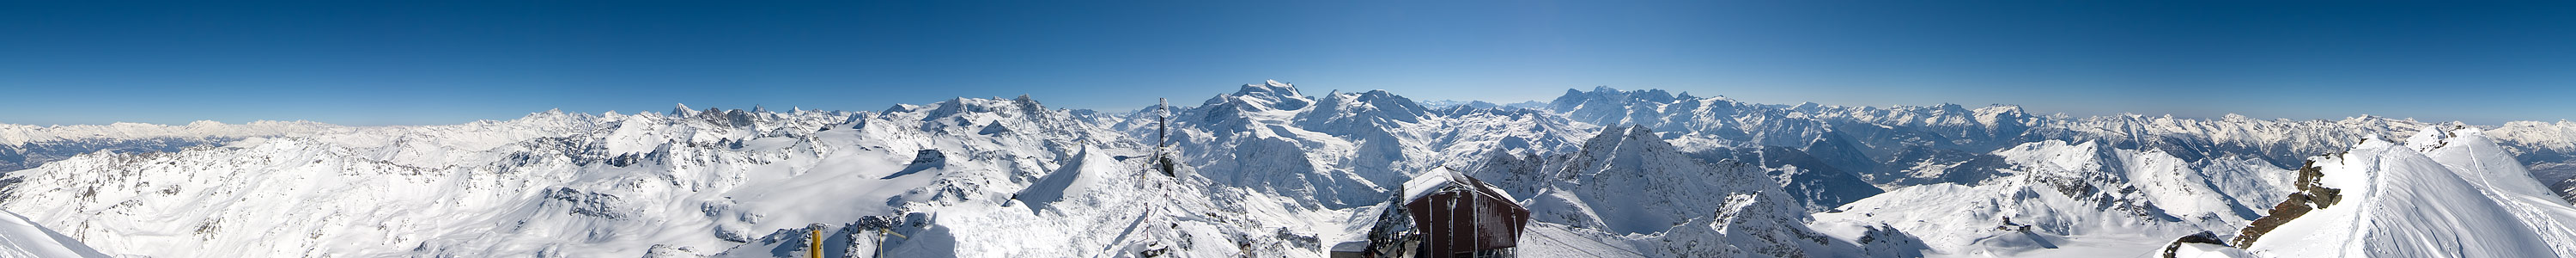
[[372, 63]]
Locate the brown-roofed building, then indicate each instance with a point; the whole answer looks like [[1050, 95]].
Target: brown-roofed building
[[1443, 213]]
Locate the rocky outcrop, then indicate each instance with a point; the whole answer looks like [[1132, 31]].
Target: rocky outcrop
[[2204, 237], [2311, 196]]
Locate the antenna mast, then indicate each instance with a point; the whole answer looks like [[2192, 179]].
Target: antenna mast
[[1162, 122]]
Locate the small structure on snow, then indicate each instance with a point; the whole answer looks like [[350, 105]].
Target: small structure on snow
[[1444, 213]]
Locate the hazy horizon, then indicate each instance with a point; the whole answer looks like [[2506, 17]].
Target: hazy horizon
[[1302, 89], [452, 62]]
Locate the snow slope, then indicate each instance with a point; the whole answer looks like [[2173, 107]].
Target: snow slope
[[22, 238], [2449, 191], [2478, 160], [2398, 202], [2549, 149]]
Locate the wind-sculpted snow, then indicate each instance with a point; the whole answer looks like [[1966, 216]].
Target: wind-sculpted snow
[[2477, 159], [22, 238], [2447, 191], [2399, 202]]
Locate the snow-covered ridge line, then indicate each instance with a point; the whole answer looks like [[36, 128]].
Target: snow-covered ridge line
[[463, 173], [35, 145], [1913, 140], [18, 134], [2447, 191], [1266, 171]]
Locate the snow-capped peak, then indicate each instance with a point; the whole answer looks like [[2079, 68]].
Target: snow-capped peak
[[2431, 137], [682, 110], [1271, 88], [1262, 171]]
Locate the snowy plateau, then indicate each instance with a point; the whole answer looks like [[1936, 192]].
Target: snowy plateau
[[1268, 171]]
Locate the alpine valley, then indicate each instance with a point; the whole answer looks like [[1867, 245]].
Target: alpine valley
[[1269, 171]]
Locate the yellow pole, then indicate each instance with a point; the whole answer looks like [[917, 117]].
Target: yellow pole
[[816, 249]]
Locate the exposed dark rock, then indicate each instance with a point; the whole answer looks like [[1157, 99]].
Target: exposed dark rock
[[2204, 237], [587, 203], [2311, 196], [2566, 190]]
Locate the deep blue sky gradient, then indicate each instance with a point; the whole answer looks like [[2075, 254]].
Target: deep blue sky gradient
[[378, 63]]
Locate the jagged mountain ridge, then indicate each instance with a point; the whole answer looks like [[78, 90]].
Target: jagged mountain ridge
[[26, 146], [686, 183], [1326, 157], [1626, 181], [2054, 190], [1912, 145]]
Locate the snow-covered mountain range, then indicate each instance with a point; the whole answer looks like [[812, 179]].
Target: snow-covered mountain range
[[1268, 170]]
